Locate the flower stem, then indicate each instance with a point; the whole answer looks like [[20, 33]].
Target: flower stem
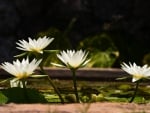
[[53, 85], [75, 85], [135, 91], [24, 84]]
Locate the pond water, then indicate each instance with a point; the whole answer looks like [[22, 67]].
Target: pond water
[[90, 91], [94, 90]]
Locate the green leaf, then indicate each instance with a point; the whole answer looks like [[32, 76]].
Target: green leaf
[[116, 99], [20, 55], [123, 78], [23, 95], [38, 76], [58, 65], [51, 51], [6, 80], [3, 98], [147, 78]]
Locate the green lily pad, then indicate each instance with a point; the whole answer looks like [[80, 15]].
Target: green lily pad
[[20, 95]]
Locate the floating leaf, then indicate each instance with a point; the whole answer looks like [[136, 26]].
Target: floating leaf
[[3, 98], [23, 95]]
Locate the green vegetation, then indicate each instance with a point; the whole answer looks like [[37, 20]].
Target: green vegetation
[[89, 91], [102, 50]]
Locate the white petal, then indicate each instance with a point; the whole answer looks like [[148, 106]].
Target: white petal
[[21, 69], [34, 45], [72, 58], [136, 71]]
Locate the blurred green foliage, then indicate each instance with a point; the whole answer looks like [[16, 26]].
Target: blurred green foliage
[[146, 59], [102, 50]]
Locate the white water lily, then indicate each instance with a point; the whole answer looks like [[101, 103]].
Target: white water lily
[[21, 69], [136, 71], [34, 45], [73, 59]]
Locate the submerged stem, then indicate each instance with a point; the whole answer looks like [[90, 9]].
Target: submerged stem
[[135, 91], [75, 85]]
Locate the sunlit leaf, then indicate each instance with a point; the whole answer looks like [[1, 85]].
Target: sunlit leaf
[[3, 98], [6, 80], [51, 51], [20, 55], [123, 78], [58, 65], [38, 76]]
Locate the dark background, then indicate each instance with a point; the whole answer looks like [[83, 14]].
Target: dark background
[[128, 21]]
